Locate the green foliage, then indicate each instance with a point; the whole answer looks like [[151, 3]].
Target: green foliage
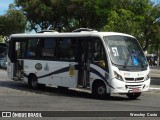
[[12, 22], [1, 38], [135, 17], [73, 14], [123, 21]]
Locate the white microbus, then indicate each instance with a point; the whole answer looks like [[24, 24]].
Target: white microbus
[[102, 62]]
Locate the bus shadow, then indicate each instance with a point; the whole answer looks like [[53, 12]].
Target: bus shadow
[[53, 91]]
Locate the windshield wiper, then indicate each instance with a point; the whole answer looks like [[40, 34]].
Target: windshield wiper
[[126, 62], [140, 62]]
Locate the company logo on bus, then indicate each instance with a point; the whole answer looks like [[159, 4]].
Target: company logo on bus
[[38, 66], [46, 67]]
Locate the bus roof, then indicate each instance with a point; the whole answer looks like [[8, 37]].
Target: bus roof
[[69, 34]]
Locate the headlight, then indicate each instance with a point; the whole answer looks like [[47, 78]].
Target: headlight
[[147, 77], [117, 76]]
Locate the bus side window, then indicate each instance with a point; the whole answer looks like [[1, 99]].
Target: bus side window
[[23, 49], [17, 50], [48, 48], [32, 46], [20, 49], [67, 49]]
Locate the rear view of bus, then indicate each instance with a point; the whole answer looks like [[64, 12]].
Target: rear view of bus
[[130, 70]]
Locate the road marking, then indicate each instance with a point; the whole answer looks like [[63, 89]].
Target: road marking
[[151, 88]]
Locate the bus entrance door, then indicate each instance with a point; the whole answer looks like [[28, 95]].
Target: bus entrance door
[[84, 56], [18, 63], [18, 68]]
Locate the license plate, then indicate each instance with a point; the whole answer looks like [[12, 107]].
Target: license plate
[[135, 90]]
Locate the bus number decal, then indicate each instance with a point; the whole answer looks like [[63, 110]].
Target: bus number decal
[[115, 51]]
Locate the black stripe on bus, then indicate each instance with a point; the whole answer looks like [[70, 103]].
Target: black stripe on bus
[[66, 69], [100, 75]]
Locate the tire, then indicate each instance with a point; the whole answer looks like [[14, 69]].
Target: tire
[[63, 88], [41, 86], [33, 82], [133, 96], [100, 91]]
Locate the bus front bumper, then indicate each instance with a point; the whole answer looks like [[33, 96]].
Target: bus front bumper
[[133, 87]]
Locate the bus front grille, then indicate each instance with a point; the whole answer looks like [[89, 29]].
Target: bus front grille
[[140, 79]]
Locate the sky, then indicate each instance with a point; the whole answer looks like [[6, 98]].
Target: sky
[[4, 6], [5, 3]]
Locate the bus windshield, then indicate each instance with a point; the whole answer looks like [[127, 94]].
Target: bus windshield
[[125, 51]]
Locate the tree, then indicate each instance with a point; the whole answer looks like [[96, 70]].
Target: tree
[[1, 38], [12, 22], [89, 13], [3, 21], [135, 17], [73, 14], [122, 21]]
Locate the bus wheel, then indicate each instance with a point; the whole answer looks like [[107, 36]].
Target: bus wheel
[[63, 88], [133, 96], [100, 91], [33, 82]]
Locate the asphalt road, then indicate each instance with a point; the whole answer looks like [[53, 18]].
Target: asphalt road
[[16, 96], [155, 77]]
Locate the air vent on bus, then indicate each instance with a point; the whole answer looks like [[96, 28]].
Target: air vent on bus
[[84, 29], [48, 31]]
